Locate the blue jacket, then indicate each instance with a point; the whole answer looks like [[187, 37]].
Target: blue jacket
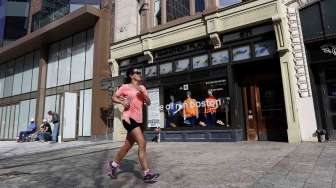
[[31, 127]]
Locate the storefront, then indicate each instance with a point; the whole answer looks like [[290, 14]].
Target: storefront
[[229, 93], [319, 33]]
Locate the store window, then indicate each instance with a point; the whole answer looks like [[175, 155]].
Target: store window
[[197, 105]]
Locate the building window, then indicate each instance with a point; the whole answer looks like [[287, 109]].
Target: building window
[[200, 61], [157, 12], [71, 60], [264, 48], [226, 3], [151, 71], [241, 53], [182, 65], [220, 57], [177, 9], [199, 5], [166, 68], [15, 27]]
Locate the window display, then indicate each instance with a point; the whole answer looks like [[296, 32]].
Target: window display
[[201, 105]]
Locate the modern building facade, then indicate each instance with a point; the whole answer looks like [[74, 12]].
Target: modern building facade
[[249, 54], [13, 20], [58, 66]]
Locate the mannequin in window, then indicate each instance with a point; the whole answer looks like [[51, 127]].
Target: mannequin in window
[[210, 109], [174, 108], [190, 110]]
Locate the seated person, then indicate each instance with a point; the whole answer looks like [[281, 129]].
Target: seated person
[[31, 128], [45, 131]]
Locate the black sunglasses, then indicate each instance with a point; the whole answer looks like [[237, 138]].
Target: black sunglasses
[[137, 72]]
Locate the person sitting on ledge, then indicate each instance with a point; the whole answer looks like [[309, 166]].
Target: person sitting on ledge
[[31, 128]]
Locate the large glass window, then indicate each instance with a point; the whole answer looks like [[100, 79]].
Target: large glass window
[[52, 65], [71, 60], [64, 63], [35, 71], [197, 105], [89, 55], [9, 79], [177, 9], [2, 80], [17, 83], [27, 73], [78, 57]]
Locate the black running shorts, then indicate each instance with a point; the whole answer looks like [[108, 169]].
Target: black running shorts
[[133, 125]]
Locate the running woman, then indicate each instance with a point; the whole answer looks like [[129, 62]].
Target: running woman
[[133, 96]]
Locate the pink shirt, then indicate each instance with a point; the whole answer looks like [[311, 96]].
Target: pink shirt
[[136, 103]]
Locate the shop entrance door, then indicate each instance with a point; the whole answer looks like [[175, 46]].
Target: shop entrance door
[[264, 111]]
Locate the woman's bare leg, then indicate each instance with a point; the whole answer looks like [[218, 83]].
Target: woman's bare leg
[[138, 136], [129, 142]]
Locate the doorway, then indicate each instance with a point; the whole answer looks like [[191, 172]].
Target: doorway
[[263, 103]]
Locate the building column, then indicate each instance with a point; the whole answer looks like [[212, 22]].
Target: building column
[[192, 7], [210, 5], [145, 15], [101, 70], [35, 6], [163, 11], [42, 79]]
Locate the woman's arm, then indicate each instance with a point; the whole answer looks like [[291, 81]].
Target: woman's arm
[[120, 100]]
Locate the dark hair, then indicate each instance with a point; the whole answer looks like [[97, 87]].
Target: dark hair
[[129, 73], [49, 112]]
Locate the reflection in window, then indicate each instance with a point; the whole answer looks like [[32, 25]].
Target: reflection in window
[[166, 68], [241, 53], [177, 9], [226, 3], [200, 61], [264, 48], [220, 57], [157, 12], [211, 109], [151, 71], [182, 65]]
